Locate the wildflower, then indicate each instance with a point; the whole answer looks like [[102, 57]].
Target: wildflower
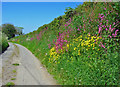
[[68, 45], [102, 45], [110, 28], [65, 41], [100, 28], [49, 45], [31, 39], [75, 48], [109, 36], [78, 29], [38, 38], [116, 32], [78, 52], [66, 25]]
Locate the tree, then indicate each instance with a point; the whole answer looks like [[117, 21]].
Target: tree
[[9, 30], [19, 30]]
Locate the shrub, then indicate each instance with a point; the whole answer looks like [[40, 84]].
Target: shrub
[[3, 42]]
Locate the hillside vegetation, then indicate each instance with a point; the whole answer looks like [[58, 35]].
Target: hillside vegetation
[[80, 47]]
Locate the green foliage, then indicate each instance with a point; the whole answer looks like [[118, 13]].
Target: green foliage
[[69, 13], [9, 30], [3, 42]]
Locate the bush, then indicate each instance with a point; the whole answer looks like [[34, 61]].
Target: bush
[[3, 42]]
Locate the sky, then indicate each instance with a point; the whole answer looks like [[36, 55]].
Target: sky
[[31, 15]]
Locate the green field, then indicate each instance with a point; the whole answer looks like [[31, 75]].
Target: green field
[[80, 47]]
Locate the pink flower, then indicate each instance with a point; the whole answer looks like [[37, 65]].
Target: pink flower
[[110, 28], [78, 29], [102, 45], [59, 33], [109, 36], [116, 31], [49, 45], [31, 39], [114, 23], [106, 29], [105, 8], [100, 28], [38, 38], [68, 36], [84, 29], [65, 41], [66, 25]]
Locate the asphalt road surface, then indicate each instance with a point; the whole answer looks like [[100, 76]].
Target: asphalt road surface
[[29, 71]]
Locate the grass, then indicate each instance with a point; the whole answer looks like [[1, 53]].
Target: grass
[[14, 71], [15, 64], [10, 84], [13, 78], [3, 42], [82, 51]]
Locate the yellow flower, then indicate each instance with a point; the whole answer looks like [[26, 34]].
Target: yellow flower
[[80, 39], [91, 44], [88, 45], [78, 45], [75, 48], [77, 39], [88, 34], [78, 52], [68, 45]]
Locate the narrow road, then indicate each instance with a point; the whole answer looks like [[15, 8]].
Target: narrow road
[[30, 71]]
